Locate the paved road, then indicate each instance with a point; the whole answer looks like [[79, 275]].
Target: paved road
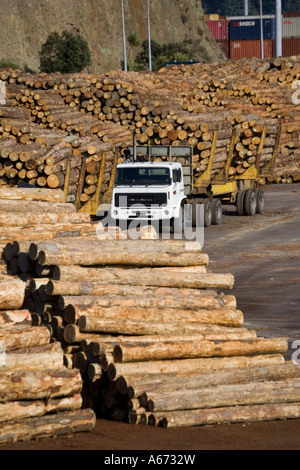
[[263, 253]]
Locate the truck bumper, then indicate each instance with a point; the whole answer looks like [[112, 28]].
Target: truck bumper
[[142, 214]]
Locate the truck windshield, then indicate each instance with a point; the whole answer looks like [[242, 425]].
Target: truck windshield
[[143, 176]]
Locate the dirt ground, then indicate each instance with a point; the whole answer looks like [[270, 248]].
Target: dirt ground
[[263, 254]]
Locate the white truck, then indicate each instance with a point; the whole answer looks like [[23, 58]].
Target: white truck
[[150, 190]]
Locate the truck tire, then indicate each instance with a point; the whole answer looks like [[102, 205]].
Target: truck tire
[[178, 222], [207, 212], [260, 201], [250, 202], [217, 212], [240, 202]]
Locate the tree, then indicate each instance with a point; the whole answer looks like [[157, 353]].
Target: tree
[[65, 53], [162, 53]]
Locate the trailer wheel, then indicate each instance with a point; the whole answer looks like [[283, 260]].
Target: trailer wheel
[[240, 202], [260, 201], [250, 202], [207, 212], [217, 212]]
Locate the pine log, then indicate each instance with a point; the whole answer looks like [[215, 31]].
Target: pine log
[[152, 247], [154, 384], [143, 277], [116, 370], [228, 414], [255, 393], [51, 425], [99, 257], [20, 336], [7, 205], [49, 356], [14, 317], [32, 194], [20, 218], [160, 324], [12, 293], [204, 348], [205, 309], [34, 385], [25, 409]]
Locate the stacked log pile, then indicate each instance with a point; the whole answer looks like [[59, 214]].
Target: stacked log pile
[[39, 396], [177, 105], [153, 336]]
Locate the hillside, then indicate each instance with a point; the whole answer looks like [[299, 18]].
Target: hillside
[[25, 26]]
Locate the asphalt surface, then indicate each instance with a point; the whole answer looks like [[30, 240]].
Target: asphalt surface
[[263, 254]]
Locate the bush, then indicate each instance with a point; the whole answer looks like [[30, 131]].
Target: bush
[[65, 53], [162, 53], [8, 64]]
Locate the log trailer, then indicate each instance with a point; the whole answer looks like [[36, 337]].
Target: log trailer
[[146, 189]]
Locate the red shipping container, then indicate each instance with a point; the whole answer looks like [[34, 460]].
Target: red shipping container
[[218, 28], [248, 49], [290, 46], [224, 46]]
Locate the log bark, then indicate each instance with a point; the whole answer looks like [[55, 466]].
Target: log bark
[[204, 348], [48, 426], [22, 409], [17, 337], [34, 385], [143, 277], [32, 194], [228, 414], [20, 219], [116, 370], [12, 293], [161, 325], [255, 393], [100, 258], [155, 384], [14, 317], [49, 356]]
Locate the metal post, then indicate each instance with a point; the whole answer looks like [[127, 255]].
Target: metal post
[[149, 36], [246, 9], [261, 32], [124, 37], [278, 41]]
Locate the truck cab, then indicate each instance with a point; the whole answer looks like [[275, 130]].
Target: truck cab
[[148, 190]]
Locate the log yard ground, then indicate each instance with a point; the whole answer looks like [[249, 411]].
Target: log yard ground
[[263, 255]]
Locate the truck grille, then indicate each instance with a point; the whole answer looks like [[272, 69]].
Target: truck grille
[[145, 200]]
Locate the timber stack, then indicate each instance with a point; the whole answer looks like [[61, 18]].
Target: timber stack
[[140, 320], [47, 400], [177, 105]]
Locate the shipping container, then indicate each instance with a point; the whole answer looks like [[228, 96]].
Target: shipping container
[[291, 14], [219, 28], [224, 46], [290, 46], [291, 27], [248, 27], [251, 48], [212, 16]]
